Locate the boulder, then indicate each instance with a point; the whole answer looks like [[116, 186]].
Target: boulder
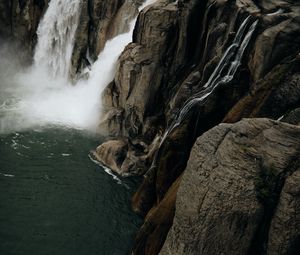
[[112, 154], [239, 193]]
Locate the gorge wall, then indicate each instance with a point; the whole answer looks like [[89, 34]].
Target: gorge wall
[[176, 47], [239, 183]]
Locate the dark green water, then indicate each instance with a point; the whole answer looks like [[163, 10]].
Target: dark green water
[[55, 200]]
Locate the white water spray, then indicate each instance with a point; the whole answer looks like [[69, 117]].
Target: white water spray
[[39, 99], [56, 34]]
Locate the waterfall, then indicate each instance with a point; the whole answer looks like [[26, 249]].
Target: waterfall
[[106, 62], [43, 95], [230, 61], [56, 34]]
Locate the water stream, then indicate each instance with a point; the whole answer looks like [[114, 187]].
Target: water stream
[[223, 74], [56, 33]]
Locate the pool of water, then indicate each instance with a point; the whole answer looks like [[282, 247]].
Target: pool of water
[[55, 200]]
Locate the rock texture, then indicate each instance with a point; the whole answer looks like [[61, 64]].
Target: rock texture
[[100, 21], [19, 21], [176, 47], [293, 117], [240, 192]]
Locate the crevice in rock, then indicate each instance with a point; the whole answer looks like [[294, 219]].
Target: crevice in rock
[[269, 186]]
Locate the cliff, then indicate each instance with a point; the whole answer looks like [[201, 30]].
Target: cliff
[[192, 65], [176, 49]]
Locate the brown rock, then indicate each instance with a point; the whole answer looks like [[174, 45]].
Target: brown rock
[[112, 154], [99, 21], [272, 96], [284, 234], [19, 21], [124, 157], [231, 187], [158, 221]]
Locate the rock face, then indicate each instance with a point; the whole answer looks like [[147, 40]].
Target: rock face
[[240, 192], [176, 47], [19, 21], [100, 21]]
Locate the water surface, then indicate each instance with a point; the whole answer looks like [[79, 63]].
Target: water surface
[[55, 200]]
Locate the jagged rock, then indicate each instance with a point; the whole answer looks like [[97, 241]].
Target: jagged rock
[[139, 72], [176, 48], [238, 192], [125, 157], [272, 96]]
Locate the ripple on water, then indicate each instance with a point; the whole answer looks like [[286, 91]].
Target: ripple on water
[[59, 201]]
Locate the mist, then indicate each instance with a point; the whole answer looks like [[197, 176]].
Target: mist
[[31, 97], [42, 95]]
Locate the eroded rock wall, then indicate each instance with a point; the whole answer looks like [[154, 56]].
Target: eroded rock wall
[[176, 47]]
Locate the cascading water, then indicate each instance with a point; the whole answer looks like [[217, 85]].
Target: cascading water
[[230, 61], [43, 95], [56, 34]]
